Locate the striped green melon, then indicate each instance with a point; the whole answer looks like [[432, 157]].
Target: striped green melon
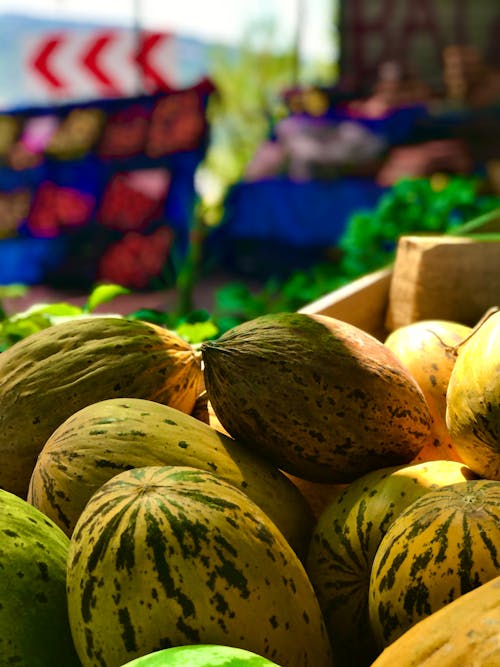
[[169, 556], [345, 540], [324, 400], [51, 374], [473, 400], [34, 625], [202, 655], [442, 546], [110, 436]]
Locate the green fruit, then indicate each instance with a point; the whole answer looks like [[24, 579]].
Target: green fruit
[[54, 372], [170, 556], [202, 655], [34, 626]]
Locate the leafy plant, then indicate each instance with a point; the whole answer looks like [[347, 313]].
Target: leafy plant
[[195, 327], [39, 316], [440, 204]]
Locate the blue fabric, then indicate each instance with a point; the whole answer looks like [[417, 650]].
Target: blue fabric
[[307, 214], [396, 127], [273, 227], [27, 260]]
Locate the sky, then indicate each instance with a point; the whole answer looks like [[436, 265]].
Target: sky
[[211, 20]]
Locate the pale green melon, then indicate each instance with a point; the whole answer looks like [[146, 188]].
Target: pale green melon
[[202, 655]]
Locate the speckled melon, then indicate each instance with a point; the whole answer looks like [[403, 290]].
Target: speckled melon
[[345, 540], [442, 546], [51, 374], [324, 400], [110, 436]]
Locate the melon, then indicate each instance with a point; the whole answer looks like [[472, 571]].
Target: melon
[[463, 632], [426, 348], [52, 373], [473, 400], [202, 655], [345, 540], [114, 435], [322, 399], [169, 556], [442, 546], [34, 624]]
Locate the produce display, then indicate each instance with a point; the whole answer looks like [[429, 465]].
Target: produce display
[[294, 493]]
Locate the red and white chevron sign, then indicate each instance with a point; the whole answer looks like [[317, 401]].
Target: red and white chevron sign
[[107, 63]]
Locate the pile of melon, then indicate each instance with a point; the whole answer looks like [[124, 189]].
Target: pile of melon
[[294, 493]]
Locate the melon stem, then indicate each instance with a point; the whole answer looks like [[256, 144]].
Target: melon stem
[[454, 349]]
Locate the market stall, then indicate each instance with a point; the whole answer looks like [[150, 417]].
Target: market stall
[[331, 157], [100, 190]]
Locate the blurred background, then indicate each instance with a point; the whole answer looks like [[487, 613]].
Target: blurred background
[[278, 147]]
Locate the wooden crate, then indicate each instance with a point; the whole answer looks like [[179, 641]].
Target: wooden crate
[[453, 278], [362, 303], [365, 302]]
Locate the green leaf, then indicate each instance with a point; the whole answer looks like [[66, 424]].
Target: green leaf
[[197, 332], [49, 310], [103, 294], [12, 291], [152, 315], [19, 327]]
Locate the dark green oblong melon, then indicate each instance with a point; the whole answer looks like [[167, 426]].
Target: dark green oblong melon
[[34, 626]]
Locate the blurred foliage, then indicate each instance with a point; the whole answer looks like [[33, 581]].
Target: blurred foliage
[[16, 326], [420, 205], [250, 81]]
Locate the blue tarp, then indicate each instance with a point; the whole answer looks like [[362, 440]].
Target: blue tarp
[[308, 214]]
